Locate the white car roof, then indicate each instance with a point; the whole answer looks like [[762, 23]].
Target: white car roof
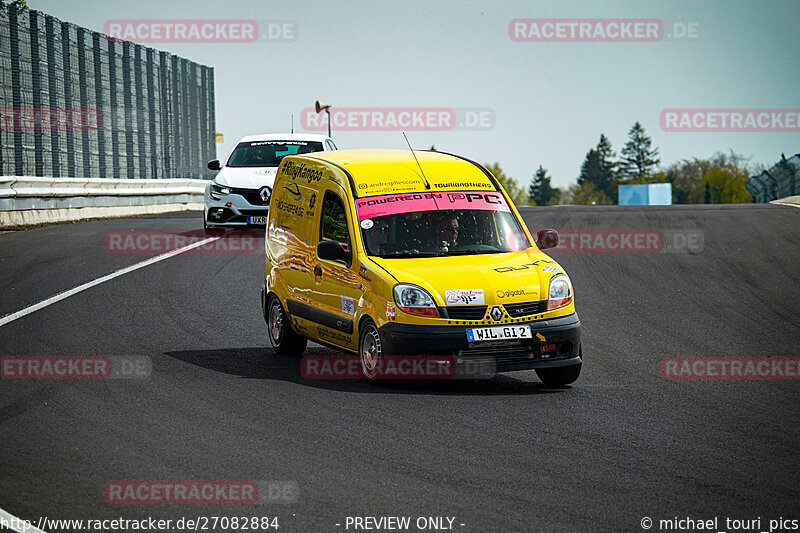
[[284, 137]]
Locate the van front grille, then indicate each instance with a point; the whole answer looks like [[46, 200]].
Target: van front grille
[[525, 309], [466, 312]]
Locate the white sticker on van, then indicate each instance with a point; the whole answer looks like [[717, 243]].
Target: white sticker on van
[[348, 306], [367, 223], [550, 269], [464, 297]]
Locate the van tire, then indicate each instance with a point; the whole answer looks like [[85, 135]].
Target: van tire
[[370, 349], [558, 377], [282, 338]]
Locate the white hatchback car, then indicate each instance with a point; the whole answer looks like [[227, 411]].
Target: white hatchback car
[[239, 195]]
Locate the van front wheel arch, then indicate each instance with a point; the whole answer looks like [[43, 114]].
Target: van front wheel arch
[[370, 348]]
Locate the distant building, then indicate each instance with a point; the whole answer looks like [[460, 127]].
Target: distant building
[[778, 182], [75, 104]]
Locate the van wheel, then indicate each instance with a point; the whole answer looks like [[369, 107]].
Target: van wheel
[[370, 348], [282, 338], [558, 377]]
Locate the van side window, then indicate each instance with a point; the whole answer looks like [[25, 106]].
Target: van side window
[[334, 221]]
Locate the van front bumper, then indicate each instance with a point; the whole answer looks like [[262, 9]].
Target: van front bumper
[[561, 345]]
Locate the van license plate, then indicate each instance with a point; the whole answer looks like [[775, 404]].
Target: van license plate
[[498, 333], [257, 220]]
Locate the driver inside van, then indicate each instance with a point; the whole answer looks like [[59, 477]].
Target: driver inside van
[[447, 231]]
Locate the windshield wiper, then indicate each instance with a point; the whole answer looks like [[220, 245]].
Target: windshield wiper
[[411, 254], [476, 251]]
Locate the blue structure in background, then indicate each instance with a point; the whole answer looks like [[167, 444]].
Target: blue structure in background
[[651, 194]]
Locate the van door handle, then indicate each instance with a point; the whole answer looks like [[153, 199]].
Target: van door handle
[[318, 270]]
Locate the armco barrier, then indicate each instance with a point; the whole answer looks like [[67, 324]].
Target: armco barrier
[[33, 200]]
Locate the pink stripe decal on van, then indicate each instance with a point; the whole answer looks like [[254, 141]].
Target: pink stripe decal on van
[[393, 204]]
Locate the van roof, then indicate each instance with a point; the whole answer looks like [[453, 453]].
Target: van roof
[[284, 137], [377, 172]]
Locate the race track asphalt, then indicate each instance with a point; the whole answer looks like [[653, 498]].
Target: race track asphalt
[[504, 454]]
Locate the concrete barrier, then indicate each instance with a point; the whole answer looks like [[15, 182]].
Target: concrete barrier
[[32, 200]]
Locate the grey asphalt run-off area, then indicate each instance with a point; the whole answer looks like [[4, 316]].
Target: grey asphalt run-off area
[[501, 454]]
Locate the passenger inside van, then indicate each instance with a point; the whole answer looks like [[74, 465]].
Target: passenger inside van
[[376, 238]]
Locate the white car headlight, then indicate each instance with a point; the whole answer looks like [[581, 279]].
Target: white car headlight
[[415, 300], [560, 293], [218, 190]]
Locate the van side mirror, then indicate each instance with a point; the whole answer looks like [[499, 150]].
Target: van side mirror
[[333, 251], [546, 238], [213, 165]]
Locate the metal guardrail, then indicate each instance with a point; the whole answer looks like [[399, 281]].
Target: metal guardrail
[[33, 200], [778, 182]]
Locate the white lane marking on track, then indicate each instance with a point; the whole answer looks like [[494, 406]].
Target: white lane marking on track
[[88, 285], [11, 521]]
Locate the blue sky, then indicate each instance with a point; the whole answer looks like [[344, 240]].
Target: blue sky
[[551, 101]]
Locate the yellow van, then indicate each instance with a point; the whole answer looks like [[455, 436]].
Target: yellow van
[[393, 252]]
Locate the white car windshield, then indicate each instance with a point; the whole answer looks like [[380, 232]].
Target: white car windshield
[[269, 153]]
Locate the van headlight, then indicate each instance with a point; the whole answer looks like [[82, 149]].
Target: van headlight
[[415, 300], [560, 293], [218, 190]]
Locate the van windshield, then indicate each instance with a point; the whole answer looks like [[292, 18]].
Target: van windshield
[[269, 153], [436, 224]]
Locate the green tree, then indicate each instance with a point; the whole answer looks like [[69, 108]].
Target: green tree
[[591, 168], [557, 198], [689, 185], [726, 186], [639, 158], [608, 178], [600, 168], [586, 194], [540, 191], [515, 192], [686, 177]]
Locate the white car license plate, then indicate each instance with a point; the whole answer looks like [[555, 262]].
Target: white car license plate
[[257, 220], [498, 333]]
